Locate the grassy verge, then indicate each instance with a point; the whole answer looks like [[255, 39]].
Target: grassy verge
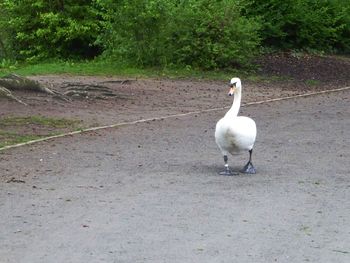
[[15, 130], [108, 68]]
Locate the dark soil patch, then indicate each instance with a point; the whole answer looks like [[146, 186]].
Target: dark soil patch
[[307, 69]]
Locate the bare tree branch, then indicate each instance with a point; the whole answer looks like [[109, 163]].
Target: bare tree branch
[[16, 82], [7, 94]]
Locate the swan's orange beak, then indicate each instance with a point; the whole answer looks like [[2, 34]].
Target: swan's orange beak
[[232, 91]]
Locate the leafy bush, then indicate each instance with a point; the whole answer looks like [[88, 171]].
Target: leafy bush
[[213, 34], [134, 30], [5, 45], [322, 25], [205, 34], [41, 29]]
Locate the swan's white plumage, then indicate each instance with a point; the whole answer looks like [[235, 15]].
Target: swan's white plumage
[[234, 134]]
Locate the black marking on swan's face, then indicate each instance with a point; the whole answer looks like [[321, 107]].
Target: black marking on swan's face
[[233, 86]]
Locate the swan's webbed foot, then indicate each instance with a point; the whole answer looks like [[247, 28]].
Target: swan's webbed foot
[[228, 172], [248, 169]]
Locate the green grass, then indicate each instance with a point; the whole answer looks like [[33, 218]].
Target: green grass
[[38, 120], [10, 138], [109, 68], [15, 130], [312, 82]]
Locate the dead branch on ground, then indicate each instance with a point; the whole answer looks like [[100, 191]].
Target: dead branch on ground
[[7, 94], [71, 90], [16, 82]]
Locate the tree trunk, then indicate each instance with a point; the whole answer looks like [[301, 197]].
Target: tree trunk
[[2, 49]]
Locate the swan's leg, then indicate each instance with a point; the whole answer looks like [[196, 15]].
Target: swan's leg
[[227, 170], [249, 168]]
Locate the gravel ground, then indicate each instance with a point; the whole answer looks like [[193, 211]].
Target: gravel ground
[[150, 192]]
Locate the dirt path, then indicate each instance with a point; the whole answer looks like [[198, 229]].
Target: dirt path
[[145, 98], [150, 192]]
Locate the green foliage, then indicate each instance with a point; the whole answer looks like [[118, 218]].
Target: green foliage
[[204, 34], [322, 25], [5, 45], [58, 28], [213, 34], [193, 34], [135, 30]]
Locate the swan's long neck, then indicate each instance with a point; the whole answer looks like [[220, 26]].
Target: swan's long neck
[[233, 112]]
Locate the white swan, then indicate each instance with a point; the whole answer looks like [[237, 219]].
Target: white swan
[[234, 134]]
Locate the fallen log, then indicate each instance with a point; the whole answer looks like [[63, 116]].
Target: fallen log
[[16, 82]]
